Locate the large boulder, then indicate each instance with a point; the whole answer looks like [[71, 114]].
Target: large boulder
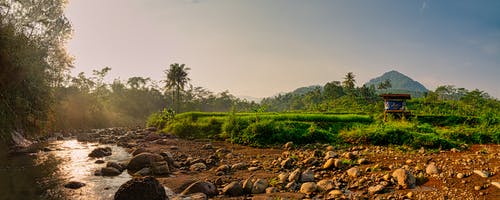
[[259, 186], [405, 178], [143, 160], [141, 188], [139, 151], [233, 189], [307, 176], [353, 172], [74, 185], [100, 152], [201, 186], [116, 165], [110, 171], [308, 188]]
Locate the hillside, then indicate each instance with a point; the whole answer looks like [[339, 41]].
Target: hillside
[[400, 84]]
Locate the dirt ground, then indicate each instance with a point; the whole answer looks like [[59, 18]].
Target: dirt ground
[[455, 180]]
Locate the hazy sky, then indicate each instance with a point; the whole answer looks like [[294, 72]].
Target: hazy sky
[[262, 47]]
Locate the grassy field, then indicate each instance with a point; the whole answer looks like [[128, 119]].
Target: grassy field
[[267, 129]]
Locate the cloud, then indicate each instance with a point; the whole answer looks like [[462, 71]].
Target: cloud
[[425, 4]]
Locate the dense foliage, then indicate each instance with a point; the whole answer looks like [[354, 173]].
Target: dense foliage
[[259, 129], [32, 61]]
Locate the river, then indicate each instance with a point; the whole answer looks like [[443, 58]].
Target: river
[[42, 175]]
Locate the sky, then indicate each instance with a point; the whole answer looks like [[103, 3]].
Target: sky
[[260, 48]]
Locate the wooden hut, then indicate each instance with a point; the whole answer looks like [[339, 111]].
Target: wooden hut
[[395, 104]]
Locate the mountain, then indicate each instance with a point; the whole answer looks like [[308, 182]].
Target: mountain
[[400, 83]]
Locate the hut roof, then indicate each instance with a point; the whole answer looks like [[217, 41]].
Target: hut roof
[[395, 96]]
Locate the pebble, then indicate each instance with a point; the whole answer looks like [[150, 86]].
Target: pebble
[[483, 174], [496, 184]]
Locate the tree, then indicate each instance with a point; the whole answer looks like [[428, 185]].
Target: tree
[[349, 81], [333, 90], [137, 82], [384, 85], [177, 78]]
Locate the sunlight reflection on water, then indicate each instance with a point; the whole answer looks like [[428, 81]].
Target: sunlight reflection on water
[[42, 175]]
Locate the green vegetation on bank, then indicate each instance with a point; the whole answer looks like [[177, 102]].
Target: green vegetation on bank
[[260, 129], [264, 129]]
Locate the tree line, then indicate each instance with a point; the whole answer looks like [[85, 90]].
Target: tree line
[[88, 102]]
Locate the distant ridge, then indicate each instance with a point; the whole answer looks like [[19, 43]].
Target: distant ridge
[[400, 84]]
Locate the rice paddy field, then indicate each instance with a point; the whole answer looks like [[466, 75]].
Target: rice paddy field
[[270, 128]]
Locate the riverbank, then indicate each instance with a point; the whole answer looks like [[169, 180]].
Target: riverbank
[[318, 171]]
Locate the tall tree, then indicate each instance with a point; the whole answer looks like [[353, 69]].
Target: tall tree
[[177, 79], [349, 81]]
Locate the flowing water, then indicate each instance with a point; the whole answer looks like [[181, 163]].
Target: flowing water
[[42, 175]]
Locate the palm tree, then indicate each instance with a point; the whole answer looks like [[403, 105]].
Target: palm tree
[[176, 78], [349, 80]]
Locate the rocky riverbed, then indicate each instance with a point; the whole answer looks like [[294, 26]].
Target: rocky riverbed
[[200, 169]]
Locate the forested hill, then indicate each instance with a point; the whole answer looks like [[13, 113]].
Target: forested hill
[[400, 83]]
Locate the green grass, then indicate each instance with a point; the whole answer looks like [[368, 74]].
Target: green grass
[[268, 129]]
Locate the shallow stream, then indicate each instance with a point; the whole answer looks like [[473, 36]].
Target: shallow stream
[[42, 175]]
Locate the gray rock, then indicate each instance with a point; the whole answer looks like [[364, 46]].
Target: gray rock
[[376, 189], [259, 186], [99, 161], [431, 169], [160, 168], [143, 160], [100, 152], [139, 151], [308, 188], [198, 167], [167, 156], [233, 189], [143, 172], [287, 163], [307, 176], [239, 166], [115, 165], [201, 186], [110, 171], [353, 172], [74, 185], [141, 188], [247, 186], [404, 178]]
